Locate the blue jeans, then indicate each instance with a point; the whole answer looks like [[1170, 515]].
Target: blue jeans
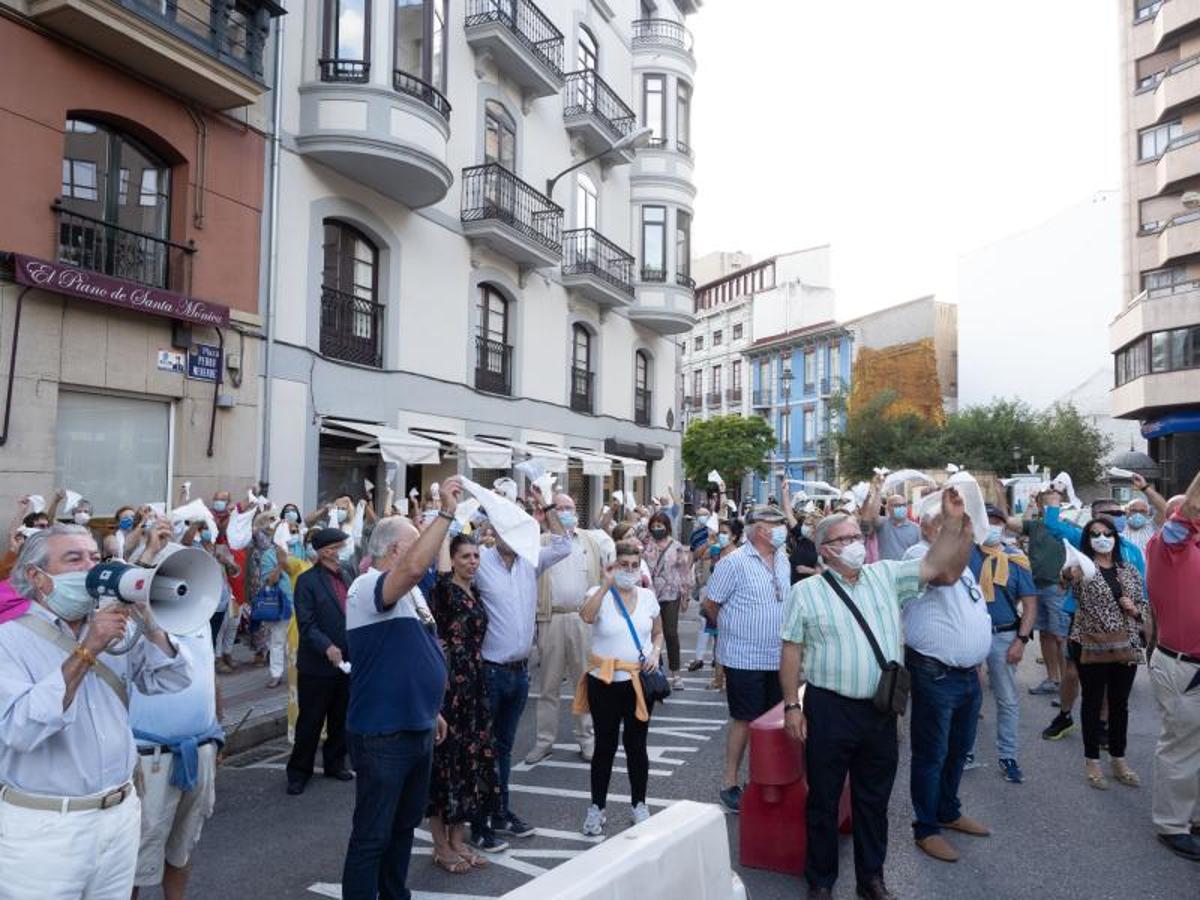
[[1003, 679], [945, 710], [507, 691], [391, 790]]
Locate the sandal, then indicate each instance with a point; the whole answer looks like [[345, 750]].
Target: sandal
[[1128, 777], [1096, 780], [472, 858], [453, 864]]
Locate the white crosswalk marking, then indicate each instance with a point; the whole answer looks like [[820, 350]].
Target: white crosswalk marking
[[580, 766]]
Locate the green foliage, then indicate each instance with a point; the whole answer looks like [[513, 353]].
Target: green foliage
[[733, 445], [978, 438]]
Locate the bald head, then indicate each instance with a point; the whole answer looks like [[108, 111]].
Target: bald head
[[1174, 503]]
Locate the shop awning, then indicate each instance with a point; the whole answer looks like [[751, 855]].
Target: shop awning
[[394, 445], [554, 460], [633, 468], [593, 463], [480, 454]]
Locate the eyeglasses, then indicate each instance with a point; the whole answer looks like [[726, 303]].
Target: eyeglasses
[[848, 539], [972, 589]]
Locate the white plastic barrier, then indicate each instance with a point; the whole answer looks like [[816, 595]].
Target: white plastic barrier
[[682, 851]]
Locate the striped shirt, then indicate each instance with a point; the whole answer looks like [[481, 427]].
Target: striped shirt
[[949, 623], [837, 655], [750, 593]]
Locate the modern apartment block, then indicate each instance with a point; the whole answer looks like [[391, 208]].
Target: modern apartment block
[[133, 163], [1156, 338], [476, 264]]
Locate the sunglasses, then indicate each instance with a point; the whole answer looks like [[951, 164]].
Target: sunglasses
[[1096, 534]]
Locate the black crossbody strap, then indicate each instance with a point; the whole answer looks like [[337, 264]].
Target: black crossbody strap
[[858, 617]]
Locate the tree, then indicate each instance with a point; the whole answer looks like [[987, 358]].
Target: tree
[[983, 438], [874, 437], [732, 445]]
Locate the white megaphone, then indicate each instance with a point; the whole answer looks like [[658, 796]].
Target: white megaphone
[[183, 591]]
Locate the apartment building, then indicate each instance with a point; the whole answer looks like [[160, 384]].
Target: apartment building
[[133, 165], [1155, 339], [486, 256]]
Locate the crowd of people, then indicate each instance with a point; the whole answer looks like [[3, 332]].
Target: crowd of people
[[409, 628]]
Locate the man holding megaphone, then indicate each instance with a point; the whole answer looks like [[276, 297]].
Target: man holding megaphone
[[69, 814]]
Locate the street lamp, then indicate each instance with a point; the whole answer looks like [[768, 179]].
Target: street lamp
[[634, 140], [786, 378]]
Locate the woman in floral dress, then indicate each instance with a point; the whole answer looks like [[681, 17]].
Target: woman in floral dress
[[464, 785]]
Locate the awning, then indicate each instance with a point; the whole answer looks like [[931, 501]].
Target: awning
[[480, 454], [593, 463], [554, 460], [394, 445], [633, 468]]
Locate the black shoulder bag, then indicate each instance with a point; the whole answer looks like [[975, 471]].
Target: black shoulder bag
[[655, 685], [891, 695]]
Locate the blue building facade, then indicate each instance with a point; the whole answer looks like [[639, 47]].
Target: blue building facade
[[795, 380]]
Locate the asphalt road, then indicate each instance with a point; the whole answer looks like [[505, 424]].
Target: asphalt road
[[1053, 835]]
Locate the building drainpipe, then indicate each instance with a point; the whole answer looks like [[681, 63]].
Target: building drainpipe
[[264, 481]]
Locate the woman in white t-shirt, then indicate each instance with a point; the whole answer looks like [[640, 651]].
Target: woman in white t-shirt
[[611, 688]]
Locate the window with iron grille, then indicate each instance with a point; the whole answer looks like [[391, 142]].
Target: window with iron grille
[[493, 360], [351, 314]]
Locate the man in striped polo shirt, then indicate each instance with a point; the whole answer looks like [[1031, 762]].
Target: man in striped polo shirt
[[842, 729], [748, 588]]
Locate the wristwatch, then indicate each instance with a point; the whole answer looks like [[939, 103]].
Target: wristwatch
[[1024, 638], [442, 514], [790, 706]]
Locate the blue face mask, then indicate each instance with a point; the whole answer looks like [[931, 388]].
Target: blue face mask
[[899, 512], [778, 536], [1174, 532], [125, 523], [715, 550], [206, 536], [1138, 520], [723, 539], [568, 519], [220, 505], [292, 516], [341, 514]]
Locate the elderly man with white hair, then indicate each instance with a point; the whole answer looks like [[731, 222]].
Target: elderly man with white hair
[[70, 818], [562, 636], [842, 625]]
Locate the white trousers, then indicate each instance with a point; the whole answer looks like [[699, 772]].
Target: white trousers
[[277, 645], [88, 855], [1177, 760], [229, 629], [562, 652]]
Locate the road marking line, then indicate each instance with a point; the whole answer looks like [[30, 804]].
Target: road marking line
[[325, 889], [535, 853], [692, 721], [674, 698], [501, 859], [582, 766], [568, 835], [582, 795]]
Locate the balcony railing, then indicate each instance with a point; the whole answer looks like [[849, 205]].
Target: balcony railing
[[733, 395], [685, 148], [654, 275], [762, 397], [581, 389], [589, 94], [527, 23], [493, 366], [683, 279], [713, 398], [354, 71], [234, 33], [423, 91], [641, 406], [661, 33], [491, 192], [351, 328], [587, 252], [99, 246]]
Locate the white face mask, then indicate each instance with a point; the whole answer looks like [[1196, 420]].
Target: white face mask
[[82, 518], [627, 581], [854, 555], [995, 533], [1103, 544]]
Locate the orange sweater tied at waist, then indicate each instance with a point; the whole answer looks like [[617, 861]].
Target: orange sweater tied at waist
[[608, 665]]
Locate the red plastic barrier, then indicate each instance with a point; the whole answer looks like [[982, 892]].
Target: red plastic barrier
[[773, 820]]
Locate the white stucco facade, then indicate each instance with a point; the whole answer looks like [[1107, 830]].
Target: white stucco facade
[[426, 284]]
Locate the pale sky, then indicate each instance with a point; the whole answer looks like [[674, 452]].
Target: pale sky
[[905, 134]]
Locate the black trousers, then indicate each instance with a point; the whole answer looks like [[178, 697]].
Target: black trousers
[[614, 705], [847, 737], [323, 702], [1096, 680]]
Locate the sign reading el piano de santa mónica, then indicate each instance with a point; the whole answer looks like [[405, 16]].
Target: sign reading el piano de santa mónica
[[63, 279]]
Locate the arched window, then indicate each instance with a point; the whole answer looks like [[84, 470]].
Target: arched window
[[581, 369], [641, 388], [115, 209], [588, 52], [586, 203], [493, 352], [351, 314], [499, 136]]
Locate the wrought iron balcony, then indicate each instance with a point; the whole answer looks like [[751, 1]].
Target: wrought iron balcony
[[684, 148], [493, 366], [351, 328], [713, 398], [683, 279], [515, 33], [501, 210], [654, 275], [762, 397], [350, 71], [99, 246], [641, 406], [655, 33], [587, 253], [590, 100], [581, 389], [423, 91], [733, 395]]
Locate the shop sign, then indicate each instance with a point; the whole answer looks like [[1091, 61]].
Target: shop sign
[[171, 361]]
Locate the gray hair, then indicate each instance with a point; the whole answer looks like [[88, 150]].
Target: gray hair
[[35, 553], [385, 533], [827, 525]]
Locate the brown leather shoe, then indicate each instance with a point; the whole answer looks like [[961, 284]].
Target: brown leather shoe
[[819, 893], [967, 825], [875, 889], [938, 847]]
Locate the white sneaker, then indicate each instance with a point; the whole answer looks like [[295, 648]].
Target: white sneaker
[[593, 825], [640, 814]]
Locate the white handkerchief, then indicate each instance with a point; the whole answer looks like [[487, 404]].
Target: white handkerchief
[[715, 477], [513, 524], [968, 489], [37, 503], [71, 501], [344, 665]]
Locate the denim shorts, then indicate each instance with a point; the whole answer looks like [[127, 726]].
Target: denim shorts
[[1051, 619]]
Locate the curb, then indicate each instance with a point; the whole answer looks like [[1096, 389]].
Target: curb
[[258, 729]]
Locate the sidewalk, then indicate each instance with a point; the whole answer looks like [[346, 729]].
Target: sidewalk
[[245, 690]]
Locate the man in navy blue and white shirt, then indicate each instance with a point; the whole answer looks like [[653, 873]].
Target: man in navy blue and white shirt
[[397, 682], [748, 588]]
